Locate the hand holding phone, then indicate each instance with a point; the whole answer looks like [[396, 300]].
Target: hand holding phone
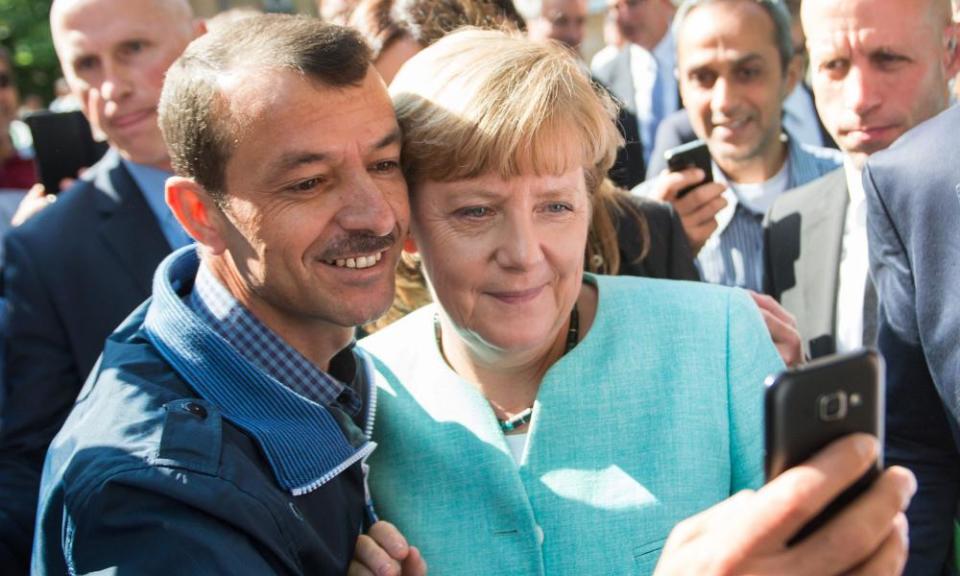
[[694, 154], [697, 211], [809, 407], [63, 144]]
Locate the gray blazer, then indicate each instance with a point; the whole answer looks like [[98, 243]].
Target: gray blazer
[[913, 203], [804, 236]]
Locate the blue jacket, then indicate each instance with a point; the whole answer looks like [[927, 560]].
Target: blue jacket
[[181, 457]]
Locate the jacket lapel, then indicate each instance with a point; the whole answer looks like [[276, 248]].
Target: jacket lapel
[[820, 258], [128, 229], [804, 240]]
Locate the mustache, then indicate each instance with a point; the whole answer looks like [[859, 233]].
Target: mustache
[[356, 244]]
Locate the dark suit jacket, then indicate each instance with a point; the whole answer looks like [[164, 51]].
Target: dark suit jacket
[[629, 169], [913, 199], [667, 252], [72, 274], [803, 239], [673, 130]]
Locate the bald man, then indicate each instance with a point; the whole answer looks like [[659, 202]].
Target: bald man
[[77, 269], [879, 68]]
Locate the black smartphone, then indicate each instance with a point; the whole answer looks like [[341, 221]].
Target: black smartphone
[[809, 407], [63, 144], [692, 154]]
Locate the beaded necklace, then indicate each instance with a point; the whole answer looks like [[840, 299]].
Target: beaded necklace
[[523, 417]]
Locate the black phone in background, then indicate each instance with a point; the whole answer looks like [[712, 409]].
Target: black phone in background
[[62, 144], [692, 154], [809, 407]]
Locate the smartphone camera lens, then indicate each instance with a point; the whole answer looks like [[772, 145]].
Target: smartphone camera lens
[[833, 406]]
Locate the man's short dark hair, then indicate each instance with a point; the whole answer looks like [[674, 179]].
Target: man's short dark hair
[[194, 116], [777, 10]]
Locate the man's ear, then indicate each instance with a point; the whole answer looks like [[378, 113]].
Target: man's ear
[[793, 75], [952, 52], [199, 27], [196, 211]]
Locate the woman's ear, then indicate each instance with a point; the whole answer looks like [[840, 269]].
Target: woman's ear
[[196, 211]]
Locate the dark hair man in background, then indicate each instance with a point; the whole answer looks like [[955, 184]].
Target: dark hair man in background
[[735, 66]]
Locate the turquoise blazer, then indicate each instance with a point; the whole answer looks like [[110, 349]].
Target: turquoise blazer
[[653, 417]]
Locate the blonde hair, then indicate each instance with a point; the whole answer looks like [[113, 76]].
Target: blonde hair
[[483, 101]]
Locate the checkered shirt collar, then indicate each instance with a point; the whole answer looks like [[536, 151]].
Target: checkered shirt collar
[[218, 308]]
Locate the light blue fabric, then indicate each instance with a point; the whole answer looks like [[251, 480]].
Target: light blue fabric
[[653, 417], [151, 182]]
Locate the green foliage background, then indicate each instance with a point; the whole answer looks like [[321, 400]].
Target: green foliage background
[[25, 32]]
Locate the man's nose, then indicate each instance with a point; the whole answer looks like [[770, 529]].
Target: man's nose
[[860, 91], [116, 83], [367, 207], [723, 98]]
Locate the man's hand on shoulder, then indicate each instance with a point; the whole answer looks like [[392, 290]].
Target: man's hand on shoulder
[[783, 328], [383, 551]]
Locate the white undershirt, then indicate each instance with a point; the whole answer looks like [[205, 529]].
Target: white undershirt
[[517, 444], [854, 265], [758, 197]]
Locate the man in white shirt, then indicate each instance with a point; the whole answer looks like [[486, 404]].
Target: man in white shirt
[[642, 73]]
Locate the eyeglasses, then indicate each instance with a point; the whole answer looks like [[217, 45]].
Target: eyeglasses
[[6, 80]]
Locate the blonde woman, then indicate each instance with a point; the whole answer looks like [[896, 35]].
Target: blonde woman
[[538, 419], [538, 406]]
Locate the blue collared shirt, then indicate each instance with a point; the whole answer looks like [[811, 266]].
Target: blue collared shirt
[[214, 304], [151, 182], [733, 255]]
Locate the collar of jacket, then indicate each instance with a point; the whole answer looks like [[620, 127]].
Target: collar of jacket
[[302, 441]]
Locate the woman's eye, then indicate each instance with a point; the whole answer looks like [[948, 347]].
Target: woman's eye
[[559, 207]]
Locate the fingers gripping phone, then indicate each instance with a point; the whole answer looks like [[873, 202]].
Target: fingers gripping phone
[[63, 144], [690, 155], [809, 407]]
